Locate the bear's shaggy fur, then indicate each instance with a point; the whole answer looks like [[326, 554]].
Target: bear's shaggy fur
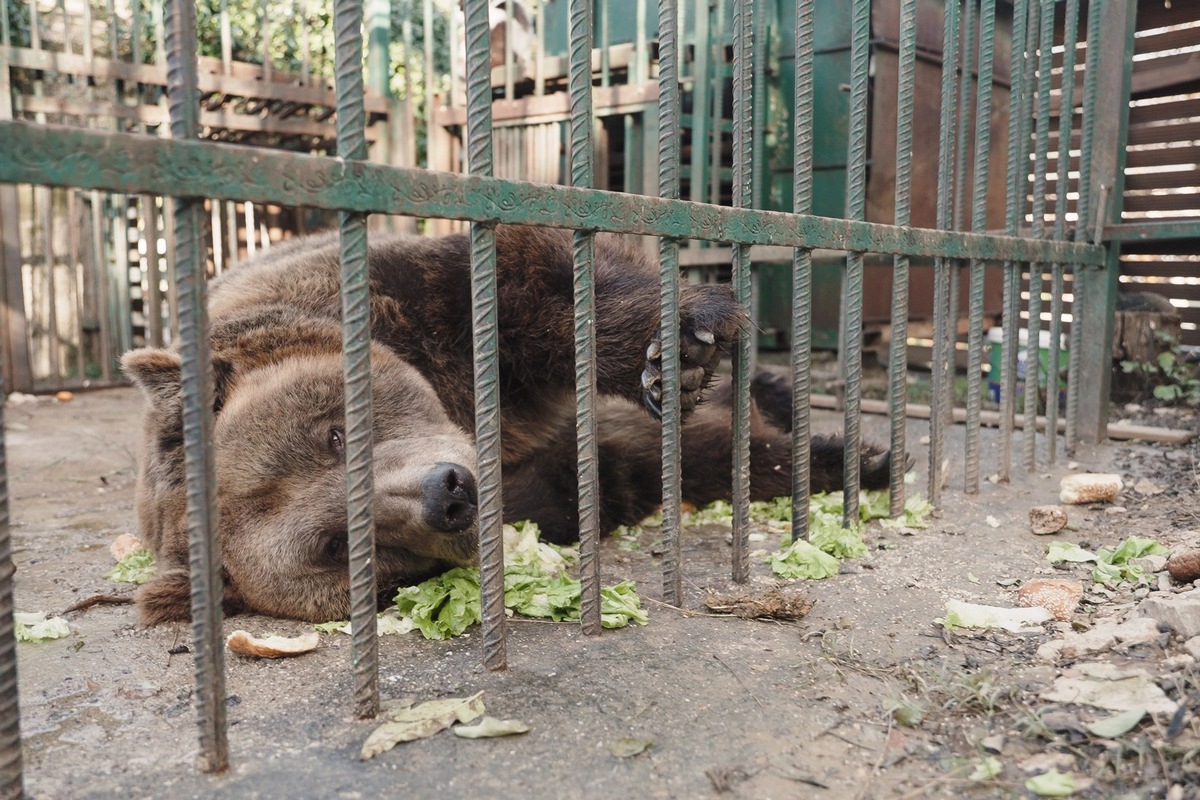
[[278, 436]]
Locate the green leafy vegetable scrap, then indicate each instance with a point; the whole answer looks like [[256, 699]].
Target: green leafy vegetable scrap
[[136, 567]]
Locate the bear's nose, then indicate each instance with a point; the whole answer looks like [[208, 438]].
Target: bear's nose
[[448, 497]]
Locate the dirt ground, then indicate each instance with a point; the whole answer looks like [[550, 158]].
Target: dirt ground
[[736, 708]]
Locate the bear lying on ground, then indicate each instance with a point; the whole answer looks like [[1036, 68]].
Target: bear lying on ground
[[279, 438]]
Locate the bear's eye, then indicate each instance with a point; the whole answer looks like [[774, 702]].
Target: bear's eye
[[337, 442], [337, 549]]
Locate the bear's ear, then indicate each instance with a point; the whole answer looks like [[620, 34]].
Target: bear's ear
[[156, 371], [168, 598]]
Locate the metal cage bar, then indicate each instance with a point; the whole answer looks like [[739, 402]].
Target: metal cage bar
[[983, 143], [204, 544], [898, 356], [1014, 210], [1066, 118], [802, 268], [852, 299], [942, 266], [585, 316], [668, 187], [1083, 208], [1041, 156], [744, 12], [486, 343], [356, 363]]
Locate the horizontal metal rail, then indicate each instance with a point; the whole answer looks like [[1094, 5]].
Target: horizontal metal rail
[[59, 156], [1151, 231]]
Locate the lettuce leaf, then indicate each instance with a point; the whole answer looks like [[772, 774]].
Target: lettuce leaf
[[136, 567]]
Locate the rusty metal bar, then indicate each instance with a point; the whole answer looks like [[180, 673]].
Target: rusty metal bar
[[1033, 360], [12, 780], [356, 366], [668, 188], [898, 355], [486, 342], [1066, 118], [942, 267], [802, 203], [1087, 135], [743, 197], [585, 321], [204, 544], [1097, 288], [856, 207], [61, 156], [979, 185], [1018, 169]]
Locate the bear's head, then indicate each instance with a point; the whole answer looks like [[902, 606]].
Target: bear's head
[[279, 444]]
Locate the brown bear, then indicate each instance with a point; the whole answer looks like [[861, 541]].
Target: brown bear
[[279, 438]]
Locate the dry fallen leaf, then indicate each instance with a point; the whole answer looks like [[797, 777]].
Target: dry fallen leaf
[[490, 727], [629, 747], [419, 722], [244, 644], [123, 545]]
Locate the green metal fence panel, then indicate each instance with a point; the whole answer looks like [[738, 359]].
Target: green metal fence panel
[[823, 181]]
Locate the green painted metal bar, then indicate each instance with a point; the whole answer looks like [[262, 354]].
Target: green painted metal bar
[[700, 106], [12, 780], [1152, 231], [1041, 154], [486, 343], [1087, 135], [1066, 118], [856, 209], [668, 188], [356, 365], [743, 197], [1017, 173], [60, 156], [585, 316], [1098, 288], [204, 544], [942, 266], [802, 278], [898, 355], [379, 63], [966, 77], [979, 184]]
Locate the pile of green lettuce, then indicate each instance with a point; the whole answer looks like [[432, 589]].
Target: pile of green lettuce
[[537, 583]]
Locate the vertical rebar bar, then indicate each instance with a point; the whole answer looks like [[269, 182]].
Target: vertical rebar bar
[[668, 187], [585, 316], [856, 206], [356, 365], [802, 203], [1017, 172], [743, 194], [898, 353], [204, 545], [428, 100], [1066, 118], [941, 290], [1083, 208], [1033, 359], [486, 342], [12, 781], [979, 187]]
